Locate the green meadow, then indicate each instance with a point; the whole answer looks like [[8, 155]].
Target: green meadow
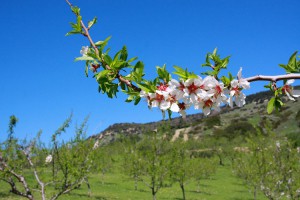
[[114, 185]]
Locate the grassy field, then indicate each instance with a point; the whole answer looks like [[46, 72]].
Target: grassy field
[[223, 185]]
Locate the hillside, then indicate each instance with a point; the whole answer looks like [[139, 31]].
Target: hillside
[[197, 125]]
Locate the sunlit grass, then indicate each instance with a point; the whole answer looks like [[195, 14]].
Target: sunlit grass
[[223, 185]]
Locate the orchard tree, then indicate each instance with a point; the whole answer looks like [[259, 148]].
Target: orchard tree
[[181, 165], [65, 166], [271, 165], [148, 161], [132, 163], [203, 168]]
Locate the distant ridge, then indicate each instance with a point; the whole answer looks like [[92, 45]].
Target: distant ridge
[[114, 131]]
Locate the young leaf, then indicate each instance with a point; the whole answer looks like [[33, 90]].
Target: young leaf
[[84, 58], [86, 69], [75, 10], [91, 23], [270, 106], [124, 54]]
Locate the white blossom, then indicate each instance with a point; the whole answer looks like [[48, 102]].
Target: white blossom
[[48, 159], [84, 50], [236, 88], [287, 89], [192, 89]]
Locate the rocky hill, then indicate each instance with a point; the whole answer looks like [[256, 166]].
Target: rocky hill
[[197, 125]]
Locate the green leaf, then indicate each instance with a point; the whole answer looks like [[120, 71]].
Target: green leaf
[[122, 85], [124, 54], [270, 106], [99, 43], [75, 10], [278, 103], [91, 23], [181, 72], [86, 69], [225, 80], [129, 99], [102, 75], [215, 51], [170, 114], [293, 66], [84, 58], [137, 100], [118, 64], [72, 33], [132, 59], [107, 59]]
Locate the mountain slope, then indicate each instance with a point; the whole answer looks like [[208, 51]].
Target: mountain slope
[[197, 125]]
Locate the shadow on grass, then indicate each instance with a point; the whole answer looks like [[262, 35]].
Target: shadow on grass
[[4, 195], [239, 184], [200, 192], [101, 198], [86, 196]]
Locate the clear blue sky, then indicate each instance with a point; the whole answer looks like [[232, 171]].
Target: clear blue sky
[[41, 84]]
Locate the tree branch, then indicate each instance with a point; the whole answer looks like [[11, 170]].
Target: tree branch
[[129, 84], [106, 66], [19, 177], [272, 78], [35, 172]]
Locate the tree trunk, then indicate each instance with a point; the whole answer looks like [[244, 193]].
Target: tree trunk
[[153, 193], [88, 185], [135, 183], [198, 186], [102, 181], [254, 193], [220, 160], [183, 191]]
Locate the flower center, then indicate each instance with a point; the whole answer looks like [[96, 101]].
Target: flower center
[[208, 103], [159, 97], [192, 88], [218, 90], [181, 106], [286, 88], [237, 91], [162, 87], [181, 87]]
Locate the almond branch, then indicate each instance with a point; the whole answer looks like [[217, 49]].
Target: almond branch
[[106, 66], [129, 84], [272, 78]]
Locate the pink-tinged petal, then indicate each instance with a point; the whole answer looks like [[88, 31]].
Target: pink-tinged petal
[[206, 111], [232, 93], [240, 100], [244, 84], [188, 82], [234, 83], [289, 82], [174, 107], [198, 105], [143, 94], [164, 105], [198, 81], [239, 74], [174, 82], [154, 103], [289, 96], [230, 101], [152, 95], [193, 98]]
